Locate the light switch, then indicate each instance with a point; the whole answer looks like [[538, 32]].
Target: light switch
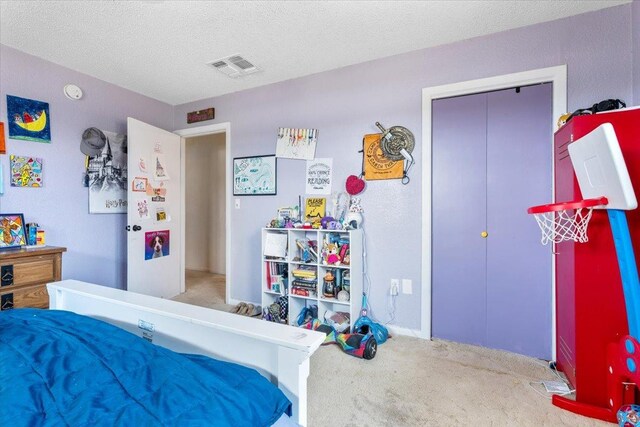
[[237, 203]]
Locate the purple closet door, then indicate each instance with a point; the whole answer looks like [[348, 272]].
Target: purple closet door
[[459, 216], [519, 159]]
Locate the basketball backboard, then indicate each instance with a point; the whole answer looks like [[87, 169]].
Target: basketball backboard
[[601, 170]]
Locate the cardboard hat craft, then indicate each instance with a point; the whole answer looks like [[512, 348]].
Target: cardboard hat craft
[[93, 141]]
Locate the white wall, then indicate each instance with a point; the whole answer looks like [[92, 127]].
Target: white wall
[[204, 196]]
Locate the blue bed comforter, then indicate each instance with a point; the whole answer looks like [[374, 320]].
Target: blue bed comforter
[[61, 369]]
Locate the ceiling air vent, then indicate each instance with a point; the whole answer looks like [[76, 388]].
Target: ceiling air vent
[[234, 66]]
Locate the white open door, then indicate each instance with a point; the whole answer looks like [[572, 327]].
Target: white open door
[[153, 215]]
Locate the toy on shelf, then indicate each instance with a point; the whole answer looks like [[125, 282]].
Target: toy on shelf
[[335, 249], [332, 254], [329, 286], [340, 202], [354, 219], [330, 223], [308, 252]]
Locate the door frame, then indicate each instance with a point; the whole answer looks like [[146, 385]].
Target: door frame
[[556, 75], [201, 131]]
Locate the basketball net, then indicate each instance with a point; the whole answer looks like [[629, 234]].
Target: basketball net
[[563, 225], [561, 222]]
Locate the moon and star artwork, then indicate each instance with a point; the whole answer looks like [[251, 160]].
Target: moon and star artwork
[[28, 119]]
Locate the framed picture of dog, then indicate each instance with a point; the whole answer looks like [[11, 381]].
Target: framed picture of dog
[[157, 244], [12, 231]]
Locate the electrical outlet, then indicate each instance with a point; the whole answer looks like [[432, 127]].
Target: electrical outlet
[[395, 287], [407, 286]]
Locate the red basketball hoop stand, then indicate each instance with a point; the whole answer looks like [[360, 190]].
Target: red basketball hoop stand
[[605, 183], [569, 221]]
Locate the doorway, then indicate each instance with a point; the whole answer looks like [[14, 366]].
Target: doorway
[[205, 219]]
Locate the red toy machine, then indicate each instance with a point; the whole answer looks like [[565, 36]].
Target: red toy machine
[[590, 303]]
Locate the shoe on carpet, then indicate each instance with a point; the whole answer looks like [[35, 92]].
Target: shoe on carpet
[[238, 308], [248, 308]]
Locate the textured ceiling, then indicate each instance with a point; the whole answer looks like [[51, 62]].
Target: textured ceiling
[[159, 48]]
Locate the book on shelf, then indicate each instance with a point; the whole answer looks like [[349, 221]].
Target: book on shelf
[[303, 292], [309, 284], [275, 272], [305, 272]]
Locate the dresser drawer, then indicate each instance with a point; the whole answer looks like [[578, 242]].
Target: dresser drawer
[[24, 274], [29, 296], [33, 271]]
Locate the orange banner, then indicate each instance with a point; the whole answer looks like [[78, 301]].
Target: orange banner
[[376, 165]]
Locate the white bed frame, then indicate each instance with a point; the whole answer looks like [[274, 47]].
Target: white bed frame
[[279, 352]]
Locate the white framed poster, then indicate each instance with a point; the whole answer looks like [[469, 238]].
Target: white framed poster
[[319, 176]]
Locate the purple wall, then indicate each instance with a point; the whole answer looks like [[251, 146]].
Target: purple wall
[[635, 22], [96, 243], [344, 104]]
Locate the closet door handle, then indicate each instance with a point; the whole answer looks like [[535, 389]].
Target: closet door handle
[[484, 234]]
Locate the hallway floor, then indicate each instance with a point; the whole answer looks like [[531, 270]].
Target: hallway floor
[[205, 290]]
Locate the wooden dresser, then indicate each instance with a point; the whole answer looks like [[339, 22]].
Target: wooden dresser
[[24, 274]]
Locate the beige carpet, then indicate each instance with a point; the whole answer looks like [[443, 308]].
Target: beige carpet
[[413, 382], [204, 289]]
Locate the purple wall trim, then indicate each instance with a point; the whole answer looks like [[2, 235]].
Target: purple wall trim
[[97, 249], [345, 103]]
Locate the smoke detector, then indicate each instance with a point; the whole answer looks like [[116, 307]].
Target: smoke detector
[[234, 66]]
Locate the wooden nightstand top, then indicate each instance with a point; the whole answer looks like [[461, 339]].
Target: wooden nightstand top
[[27, 252]]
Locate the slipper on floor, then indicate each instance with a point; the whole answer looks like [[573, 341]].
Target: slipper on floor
[[248, 308], [257, 311], [238, 308]]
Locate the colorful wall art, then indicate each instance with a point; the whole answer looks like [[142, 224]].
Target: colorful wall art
[[296, 143], [156, 244], [254, 176], [25, 171], [12, 232], [28, 119]]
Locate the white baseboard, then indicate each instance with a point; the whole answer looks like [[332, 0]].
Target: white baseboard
[[397, 330]]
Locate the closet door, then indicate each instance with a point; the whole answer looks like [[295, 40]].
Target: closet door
[[491, 161], [519, 159], [459, 216]]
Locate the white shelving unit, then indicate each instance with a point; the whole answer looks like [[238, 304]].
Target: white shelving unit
[[275, 285]]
